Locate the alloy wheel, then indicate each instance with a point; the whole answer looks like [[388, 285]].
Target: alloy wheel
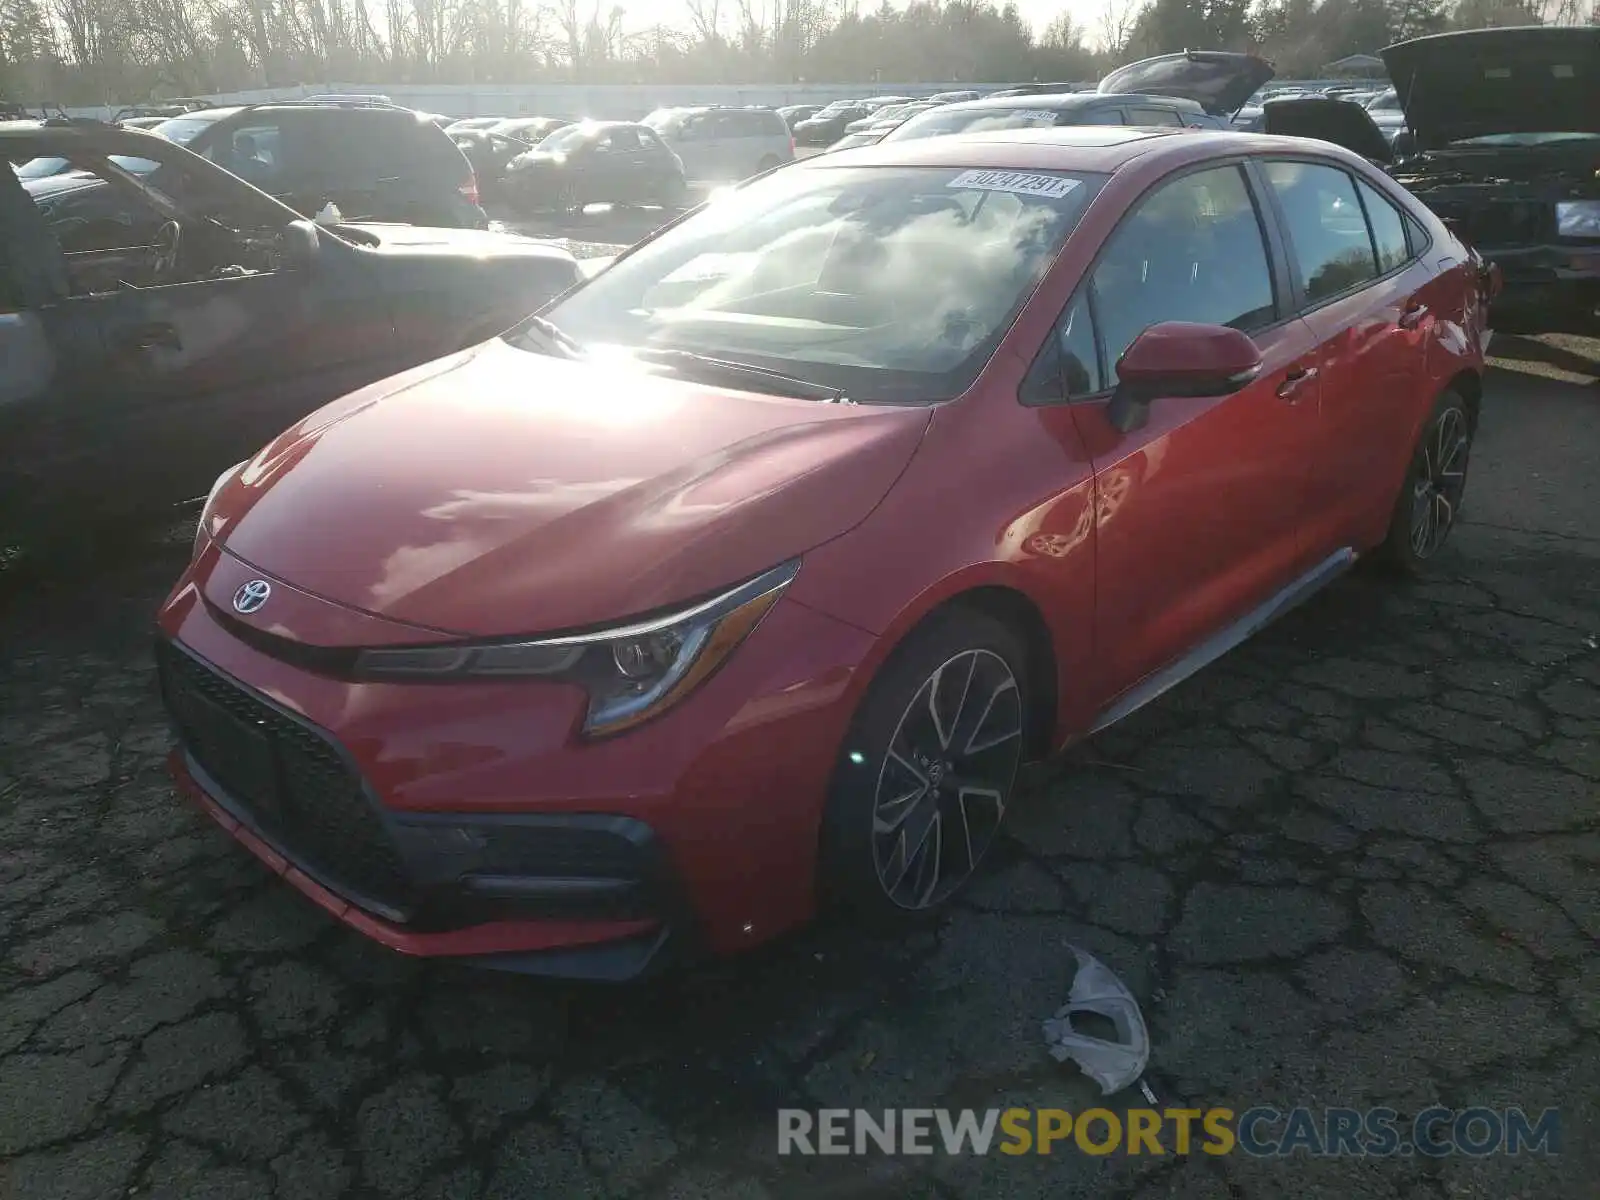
[[1440, 482], [945, 780]]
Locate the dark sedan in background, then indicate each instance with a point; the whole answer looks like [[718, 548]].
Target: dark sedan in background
[[596, 162], [157, 335]]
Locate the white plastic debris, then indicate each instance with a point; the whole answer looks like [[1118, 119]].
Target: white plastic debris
[[1096, 989], [329, 215]]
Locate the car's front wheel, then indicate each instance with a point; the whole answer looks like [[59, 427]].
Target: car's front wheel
[[1429, 503], [927, 769]]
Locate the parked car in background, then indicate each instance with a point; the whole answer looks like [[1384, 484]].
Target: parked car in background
[[1037, 89], [724, 143], [596, 162], [1067, 108], [889, 113], [874, 129], [375, 162], [828, 125], [500, 660], [1502, 140], [530, 131], [955, 97], [472, 123], [1387, 114], [793, 114], [151, 335]]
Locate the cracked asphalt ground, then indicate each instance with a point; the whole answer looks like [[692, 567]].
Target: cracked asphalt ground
[[1356, 863]]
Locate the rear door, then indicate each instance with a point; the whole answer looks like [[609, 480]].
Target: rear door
[[1197, 517], [1363, 289]]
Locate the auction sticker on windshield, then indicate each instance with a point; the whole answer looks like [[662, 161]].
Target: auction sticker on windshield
[[1036, 114], [1052, 186]]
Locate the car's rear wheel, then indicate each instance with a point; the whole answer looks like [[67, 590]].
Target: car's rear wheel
[[927, 770], [1430, 500]]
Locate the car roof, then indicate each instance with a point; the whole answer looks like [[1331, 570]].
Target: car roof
[[1099, 149], [84, 135]]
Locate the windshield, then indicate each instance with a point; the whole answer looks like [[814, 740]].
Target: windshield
[[823, 274], [564, 140], [183, 130], [1525, 139], [941, 121]]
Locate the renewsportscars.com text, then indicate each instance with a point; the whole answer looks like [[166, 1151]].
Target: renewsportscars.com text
[[1259, 1132]]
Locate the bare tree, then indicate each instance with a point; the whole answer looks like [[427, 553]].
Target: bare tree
[[1118, 20]]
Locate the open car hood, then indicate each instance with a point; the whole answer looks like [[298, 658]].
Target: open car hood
[[1533, 79], [1342, 122], [1220, 81]]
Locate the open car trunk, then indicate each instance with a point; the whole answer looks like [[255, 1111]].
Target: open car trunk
[[1220, 81], [1342, 122]]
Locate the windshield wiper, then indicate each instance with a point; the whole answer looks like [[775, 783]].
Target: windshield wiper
[[777, 380], [552, 333]]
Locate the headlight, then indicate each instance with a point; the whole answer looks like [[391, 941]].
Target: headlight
[[1578, 218], [200, 535], [632, 672]]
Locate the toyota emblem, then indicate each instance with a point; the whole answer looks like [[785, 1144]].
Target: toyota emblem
[[251, 596]]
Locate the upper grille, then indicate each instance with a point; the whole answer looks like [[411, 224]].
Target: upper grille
[[294, 784]]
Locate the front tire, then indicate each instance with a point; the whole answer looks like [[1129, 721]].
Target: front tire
[[1430, 499], [927, 770]]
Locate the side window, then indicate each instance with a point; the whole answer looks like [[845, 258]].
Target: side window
[[1192, 250], [1388, 229], [253, 152], [1095, 116], [624, 139], [1416, 235], [1067, 366], [1331, 250], [649, 140], [109, 234], [1153, 116]]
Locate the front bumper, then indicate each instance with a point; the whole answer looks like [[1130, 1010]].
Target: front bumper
[[467, 820], [1553, 280]]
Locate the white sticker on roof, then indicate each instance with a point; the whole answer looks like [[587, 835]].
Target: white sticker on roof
[[1052, 186], [1036, 114]]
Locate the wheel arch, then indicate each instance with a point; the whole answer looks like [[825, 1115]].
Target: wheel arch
[[1018, 611]]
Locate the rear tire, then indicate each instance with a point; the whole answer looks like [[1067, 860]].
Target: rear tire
[[926, 772], [1430, 499]]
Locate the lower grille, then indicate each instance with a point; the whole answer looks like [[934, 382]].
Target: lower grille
[[291, 781]]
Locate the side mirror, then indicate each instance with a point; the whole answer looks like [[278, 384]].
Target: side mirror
[[299, 245], [1178, 358]]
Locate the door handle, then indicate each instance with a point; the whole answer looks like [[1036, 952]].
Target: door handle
[[1292, 381], [1412, 316], [148, 337]]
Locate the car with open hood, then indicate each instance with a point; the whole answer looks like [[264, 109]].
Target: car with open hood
[[151, 333], [1502, 141], [742, 578]]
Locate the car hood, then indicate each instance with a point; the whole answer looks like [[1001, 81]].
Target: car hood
[[1341, 122], [1218, 80], [416, 240], [1538, 79], [501, 492]]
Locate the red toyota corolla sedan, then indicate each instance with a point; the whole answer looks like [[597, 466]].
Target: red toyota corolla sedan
[[746, 575]]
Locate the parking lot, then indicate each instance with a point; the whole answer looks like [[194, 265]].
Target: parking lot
[[1357, 863]]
